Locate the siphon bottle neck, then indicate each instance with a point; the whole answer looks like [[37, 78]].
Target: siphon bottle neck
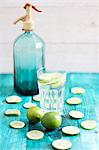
[[28, 32]]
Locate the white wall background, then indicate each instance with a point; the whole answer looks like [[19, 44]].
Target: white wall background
[[70, 29]]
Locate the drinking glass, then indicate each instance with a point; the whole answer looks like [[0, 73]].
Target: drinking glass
[[51, 89]]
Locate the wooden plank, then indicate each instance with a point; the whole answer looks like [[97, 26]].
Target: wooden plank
[[12, 139], [76, 142], [89, 107]]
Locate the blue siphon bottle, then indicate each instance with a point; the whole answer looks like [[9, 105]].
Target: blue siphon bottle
[[28, 54]]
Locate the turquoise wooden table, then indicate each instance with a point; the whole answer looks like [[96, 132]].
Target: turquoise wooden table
[[15, 139]]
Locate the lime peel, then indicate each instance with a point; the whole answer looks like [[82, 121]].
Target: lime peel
[[51, 120]]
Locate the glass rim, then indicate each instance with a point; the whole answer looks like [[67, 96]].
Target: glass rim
[[51, 71]]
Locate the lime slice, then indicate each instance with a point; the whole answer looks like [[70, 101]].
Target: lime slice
[[88, 124], [74, 100], [28, 105], [58, 83], [48, 77], [36, 98], [12, 112], [13, 99], [76, 114], [45, 77], [17, 124], [62, 144], [71, 130], [77, 90], [53, 79], [35, 135]]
